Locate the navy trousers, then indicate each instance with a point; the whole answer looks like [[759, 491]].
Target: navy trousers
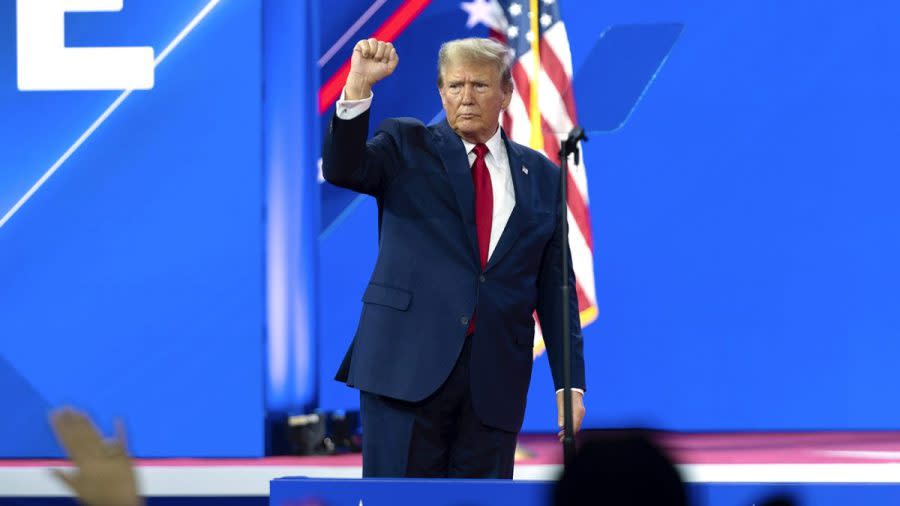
[[439, 437]]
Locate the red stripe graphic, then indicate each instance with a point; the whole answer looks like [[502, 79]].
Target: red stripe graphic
[[388, 32]]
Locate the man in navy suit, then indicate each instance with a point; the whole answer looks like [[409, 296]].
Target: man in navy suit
[[469, 247]]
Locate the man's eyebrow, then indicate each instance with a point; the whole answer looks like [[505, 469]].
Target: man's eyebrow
[[473, 81]]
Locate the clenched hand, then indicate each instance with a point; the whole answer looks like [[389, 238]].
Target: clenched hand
[[372, 61]]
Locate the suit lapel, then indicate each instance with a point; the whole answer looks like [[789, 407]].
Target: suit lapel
[[522, 212], [456, 161]]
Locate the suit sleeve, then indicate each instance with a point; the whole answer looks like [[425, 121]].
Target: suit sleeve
[[549, 309], [349, 161]]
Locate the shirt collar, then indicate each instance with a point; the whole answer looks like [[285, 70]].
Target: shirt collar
[[493, 144]]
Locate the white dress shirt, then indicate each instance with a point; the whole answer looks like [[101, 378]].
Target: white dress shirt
[[497, 162], [501, 182]]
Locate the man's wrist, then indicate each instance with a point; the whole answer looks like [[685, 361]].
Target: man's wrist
[[357, 89], [579, 390], [349, 109]]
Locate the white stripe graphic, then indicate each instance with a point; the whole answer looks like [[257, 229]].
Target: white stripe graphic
[[350, 32], [104, 115]]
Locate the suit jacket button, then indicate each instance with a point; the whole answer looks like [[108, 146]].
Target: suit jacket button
[[464, 320], [482, 278]]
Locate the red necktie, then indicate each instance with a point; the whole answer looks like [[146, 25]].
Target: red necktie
[[484, 202], [484, 209]]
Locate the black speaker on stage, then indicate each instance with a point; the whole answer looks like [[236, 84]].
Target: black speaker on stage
[[316, 433], [343, 427]]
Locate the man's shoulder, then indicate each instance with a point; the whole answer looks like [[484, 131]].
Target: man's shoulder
[[533, 158], [405, 122], [402, 124], [406, 129]]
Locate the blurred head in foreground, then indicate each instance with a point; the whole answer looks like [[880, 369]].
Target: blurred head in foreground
[[621, 469]]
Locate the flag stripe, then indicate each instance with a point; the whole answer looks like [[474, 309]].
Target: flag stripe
[[551, 141], [580, 212], [582, 262], [583, 301], [518, 115], [556, 110], [523, 84], [580, 178], [577, 207], [554, 69], [558, 39]]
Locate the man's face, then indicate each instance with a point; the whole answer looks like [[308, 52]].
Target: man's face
[[473, 98]]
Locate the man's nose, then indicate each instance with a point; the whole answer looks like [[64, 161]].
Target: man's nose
[[468, 95]]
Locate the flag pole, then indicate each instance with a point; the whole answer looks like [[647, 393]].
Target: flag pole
[[537, 133]]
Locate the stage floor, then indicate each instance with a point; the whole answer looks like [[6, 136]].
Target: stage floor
[[811, 457]]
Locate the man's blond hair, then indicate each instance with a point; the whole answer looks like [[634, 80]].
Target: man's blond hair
[[477, 50]]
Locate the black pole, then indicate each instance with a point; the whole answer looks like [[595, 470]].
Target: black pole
[[570, 145]]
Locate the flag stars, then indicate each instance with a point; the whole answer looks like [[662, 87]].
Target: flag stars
[[549, 2], [546, 19], [479, 12], [529, 36], [512, 32], [515, 9]]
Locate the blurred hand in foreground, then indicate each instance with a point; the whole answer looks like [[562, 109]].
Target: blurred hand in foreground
[[104, 474]]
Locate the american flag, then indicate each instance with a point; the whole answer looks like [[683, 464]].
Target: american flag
[[542, 112]]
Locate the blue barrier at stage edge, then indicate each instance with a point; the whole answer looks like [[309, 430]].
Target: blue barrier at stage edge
[[396, 492], [299, 491]]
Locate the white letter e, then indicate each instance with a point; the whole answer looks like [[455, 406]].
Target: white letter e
[[44, 63]]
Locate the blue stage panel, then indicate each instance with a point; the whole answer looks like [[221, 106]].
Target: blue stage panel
[[805, 494]]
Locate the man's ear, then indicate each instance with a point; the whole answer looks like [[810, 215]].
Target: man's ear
[[507, 98]]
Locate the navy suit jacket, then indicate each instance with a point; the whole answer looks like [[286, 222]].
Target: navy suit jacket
[[428, 280]]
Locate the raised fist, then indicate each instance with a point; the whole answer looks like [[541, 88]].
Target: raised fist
[[372, 61]]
